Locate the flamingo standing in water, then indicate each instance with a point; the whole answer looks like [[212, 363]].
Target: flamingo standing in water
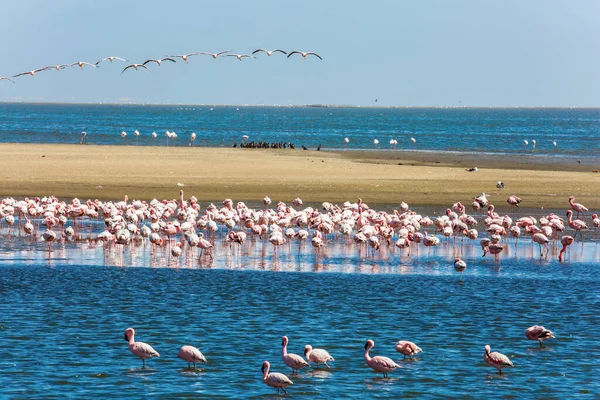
[[539, 333], [191, 355], [566, 241], [513, 201], [139, 349], [578, 225], [459, 265], [379, 363], [407, 348], [275, 379], [318, 356], [294, 361], [580, 208], [496, 360]]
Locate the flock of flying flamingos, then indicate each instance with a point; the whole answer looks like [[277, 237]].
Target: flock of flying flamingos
[[162, 222], [158, 61]]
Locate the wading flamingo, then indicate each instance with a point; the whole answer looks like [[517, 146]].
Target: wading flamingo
[[294, 361], [539, 333], [578, 225], [496, 360], [566, 241], [407, 348], [139, 349], [275, 379], [191, 355], [379, 363], [318, 356]]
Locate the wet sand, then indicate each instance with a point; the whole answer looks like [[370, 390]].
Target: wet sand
[[212, 174]]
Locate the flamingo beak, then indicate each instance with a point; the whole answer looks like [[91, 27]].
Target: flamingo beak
[[126, 338], [366, 345], [263, 369]]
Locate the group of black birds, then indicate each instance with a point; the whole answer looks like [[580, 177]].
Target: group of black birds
[[158, 61]]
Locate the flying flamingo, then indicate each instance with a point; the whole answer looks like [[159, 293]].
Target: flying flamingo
[[580, 208], [240, 56], [496, 360], [294, 361], [111, 59], [32, 73], [577, 224], [539, 333], [139, 349], [80, 64], [566, 241], [275, 379], [269, 52], [407, 348], [135, 66], [304, 54], [318, 356], [185, 57], [158, 61], [215, 55], [191, 355], [379, 363]]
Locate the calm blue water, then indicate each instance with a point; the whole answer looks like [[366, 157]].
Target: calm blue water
[[64, 313], [576, 131]]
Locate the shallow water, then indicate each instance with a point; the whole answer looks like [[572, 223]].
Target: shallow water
[[499, 131], [64, 313]]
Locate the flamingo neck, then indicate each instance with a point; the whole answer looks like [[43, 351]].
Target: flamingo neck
[[367, 356], [284, 350], [266, 372]]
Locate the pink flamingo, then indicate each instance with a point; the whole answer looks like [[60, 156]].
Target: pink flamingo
[[204, 244], [459, 265], [580, 208], [318, 356], [578, 225], [139, 349], [294, 361], [596, 221], [539, 333], [566, 241], [496, 360], [191, 355], [379, 363], [541, 239], [275, 379], [407, 348], [495, 249], [513, 201]]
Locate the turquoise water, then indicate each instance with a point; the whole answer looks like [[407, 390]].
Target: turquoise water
[[502, 131], [64, 313]]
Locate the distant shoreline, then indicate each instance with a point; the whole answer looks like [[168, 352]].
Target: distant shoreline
[[305, 106]]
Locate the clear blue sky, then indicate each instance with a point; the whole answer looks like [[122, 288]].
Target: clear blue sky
[[404, 53]]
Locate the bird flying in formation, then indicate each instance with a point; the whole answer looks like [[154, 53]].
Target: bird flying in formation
[[136, 66], [269, 52], [304, 54], [240, 56], [158, 61], [111, 59], [215, 55]]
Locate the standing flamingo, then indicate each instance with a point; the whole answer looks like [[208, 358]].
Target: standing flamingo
[[294, 361], [191, 354], [139, 349], [379, 363], [459, 265], [566, 241], [580, 208], [407, 348], [496, 360], [539, 333], [578, 225], [318, 356], [275, 379]]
